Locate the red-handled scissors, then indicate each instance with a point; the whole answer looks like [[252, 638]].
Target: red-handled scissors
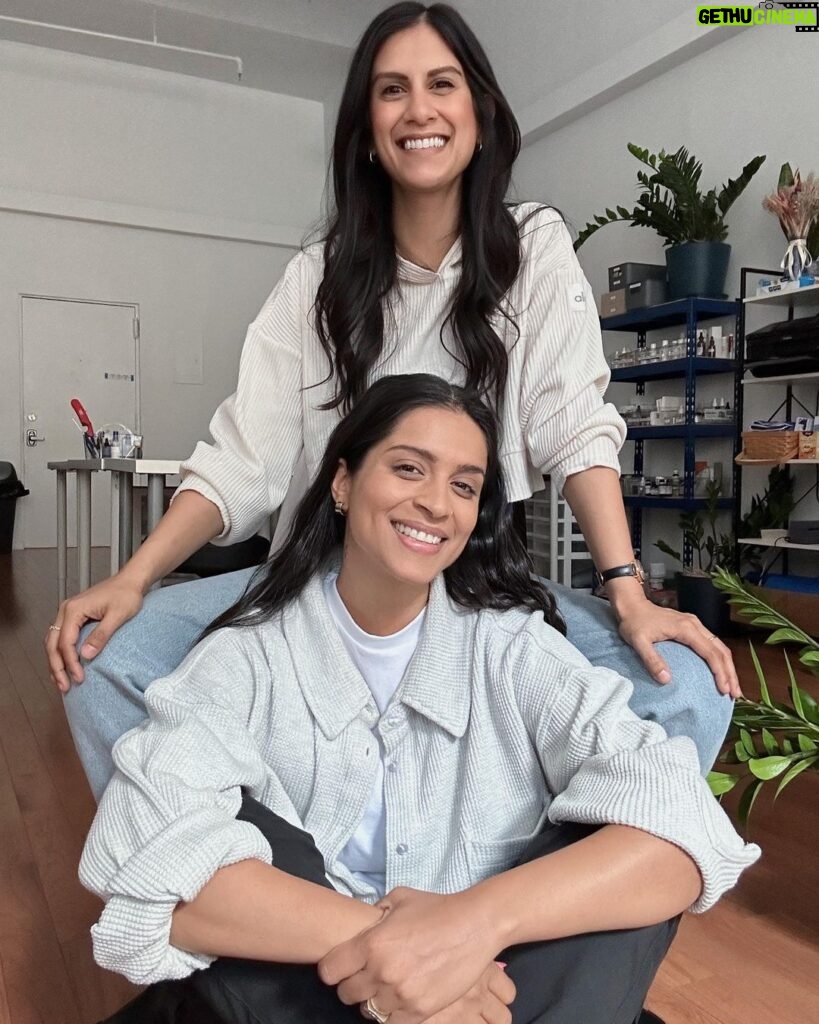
[[82, 416]]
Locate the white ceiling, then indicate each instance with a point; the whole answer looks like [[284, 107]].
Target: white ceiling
[[301, 47]]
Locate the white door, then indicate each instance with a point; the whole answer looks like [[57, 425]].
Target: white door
[[72, 349]]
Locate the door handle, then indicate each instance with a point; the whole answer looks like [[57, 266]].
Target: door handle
[[33, 438]]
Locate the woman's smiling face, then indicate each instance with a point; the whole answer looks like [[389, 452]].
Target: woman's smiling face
[[423, 116], [413, 503]]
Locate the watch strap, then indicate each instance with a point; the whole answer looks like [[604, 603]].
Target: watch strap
[[630, 569]]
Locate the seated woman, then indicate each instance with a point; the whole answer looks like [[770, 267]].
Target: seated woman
[[392, 713]]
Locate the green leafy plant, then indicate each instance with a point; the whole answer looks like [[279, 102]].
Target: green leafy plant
[[699, 529], [768, 740], [671, 202], [770, 510]]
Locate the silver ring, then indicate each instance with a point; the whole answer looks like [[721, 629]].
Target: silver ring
[[371, 1012], [56, 628]]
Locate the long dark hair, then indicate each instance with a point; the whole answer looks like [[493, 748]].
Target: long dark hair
[[493, 570], [359, 249]]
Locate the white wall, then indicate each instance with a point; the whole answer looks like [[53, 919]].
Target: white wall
[[126, 184], [726, 106]]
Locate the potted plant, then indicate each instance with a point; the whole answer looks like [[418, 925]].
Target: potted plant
[[770, 510], [695, 589], [769, 740], [690, 222], [795, 203]]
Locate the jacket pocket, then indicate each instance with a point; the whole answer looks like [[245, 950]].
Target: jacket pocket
[[487, 857]]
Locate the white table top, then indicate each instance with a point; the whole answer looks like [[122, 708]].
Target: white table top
[[150, 467]]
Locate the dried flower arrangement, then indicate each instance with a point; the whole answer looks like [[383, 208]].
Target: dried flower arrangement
[[795, 203]]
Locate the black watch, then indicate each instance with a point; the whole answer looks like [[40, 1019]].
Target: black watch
[[631, 569]]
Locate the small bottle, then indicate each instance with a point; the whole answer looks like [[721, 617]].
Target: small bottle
[[665, 350], [700, 344], [676, 483], [116, 451], [720, 342], [653, 353], [730, 353], [711, 349]]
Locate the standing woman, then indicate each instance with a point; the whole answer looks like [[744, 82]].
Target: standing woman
[[423, 267]]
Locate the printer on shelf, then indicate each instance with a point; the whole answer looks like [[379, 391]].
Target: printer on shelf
[[803, 531], [787, 347]]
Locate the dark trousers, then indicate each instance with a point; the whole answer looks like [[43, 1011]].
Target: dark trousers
[[601, 978]]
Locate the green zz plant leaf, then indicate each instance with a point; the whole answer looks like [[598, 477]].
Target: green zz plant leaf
[[671, 202], [769, 739]]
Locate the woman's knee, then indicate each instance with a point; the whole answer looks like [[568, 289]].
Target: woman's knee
[[690, 705]]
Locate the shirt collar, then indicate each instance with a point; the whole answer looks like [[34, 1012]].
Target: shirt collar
[[435, 684], [413, 274]]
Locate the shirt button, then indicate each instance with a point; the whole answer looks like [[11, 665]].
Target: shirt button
[[392, 767], [393, 721], [401, 849]]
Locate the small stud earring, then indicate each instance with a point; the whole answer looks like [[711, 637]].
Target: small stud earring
[[340, 510]]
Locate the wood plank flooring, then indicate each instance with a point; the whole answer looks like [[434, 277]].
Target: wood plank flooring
[[754, 957]]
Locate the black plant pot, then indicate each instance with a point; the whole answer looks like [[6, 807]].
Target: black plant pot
[[697, 268], [698, 595]]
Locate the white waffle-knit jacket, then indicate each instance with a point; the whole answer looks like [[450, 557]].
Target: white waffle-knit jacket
[[269, 437], [498, 723]]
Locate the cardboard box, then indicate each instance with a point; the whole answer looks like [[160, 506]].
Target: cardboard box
[[808, 444], [613, 303], [625, 274]]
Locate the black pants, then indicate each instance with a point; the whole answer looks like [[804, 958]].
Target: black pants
[[601, 978]]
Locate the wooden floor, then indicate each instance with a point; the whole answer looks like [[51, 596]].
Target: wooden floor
[[754, 957]]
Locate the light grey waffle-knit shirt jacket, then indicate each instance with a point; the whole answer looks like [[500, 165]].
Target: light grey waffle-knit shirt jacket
[[498, 723]]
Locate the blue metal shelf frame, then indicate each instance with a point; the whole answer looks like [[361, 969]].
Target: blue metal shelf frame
[[670, 369], [683, 504], [682, 430], [690, 312]]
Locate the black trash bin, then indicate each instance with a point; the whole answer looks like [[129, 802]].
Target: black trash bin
[[10, 490]]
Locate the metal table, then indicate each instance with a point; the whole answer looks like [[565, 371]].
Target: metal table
[[122, 482]]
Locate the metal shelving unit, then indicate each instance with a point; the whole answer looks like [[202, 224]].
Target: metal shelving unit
[[690, 312], [808, 296]]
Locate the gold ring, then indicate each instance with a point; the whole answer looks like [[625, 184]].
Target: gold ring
[[371, 1012], [56, 628]]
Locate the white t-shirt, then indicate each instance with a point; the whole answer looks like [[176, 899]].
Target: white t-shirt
[[382, 661]]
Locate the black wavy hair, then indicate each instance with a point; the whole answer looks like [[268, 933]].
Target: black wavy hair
[[493, 570], [359, 248]]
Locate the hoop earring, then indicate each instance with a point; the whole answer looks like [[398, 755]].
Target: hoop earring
[[339, 509], [372, 156], [480, 145]]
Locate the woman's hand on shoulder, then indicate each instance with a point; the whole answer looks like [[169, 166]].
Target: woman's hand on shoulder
[[428, 953], [110, 603], [643, 624]]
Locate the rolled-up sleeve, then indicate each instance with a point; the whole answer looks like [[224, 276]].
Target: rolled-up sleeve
[[567, 426], [605, 765], [167, 821], [257, 432]]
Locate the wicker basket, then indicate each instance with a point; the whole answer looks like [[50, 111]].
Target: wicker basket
[[770, 445]]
